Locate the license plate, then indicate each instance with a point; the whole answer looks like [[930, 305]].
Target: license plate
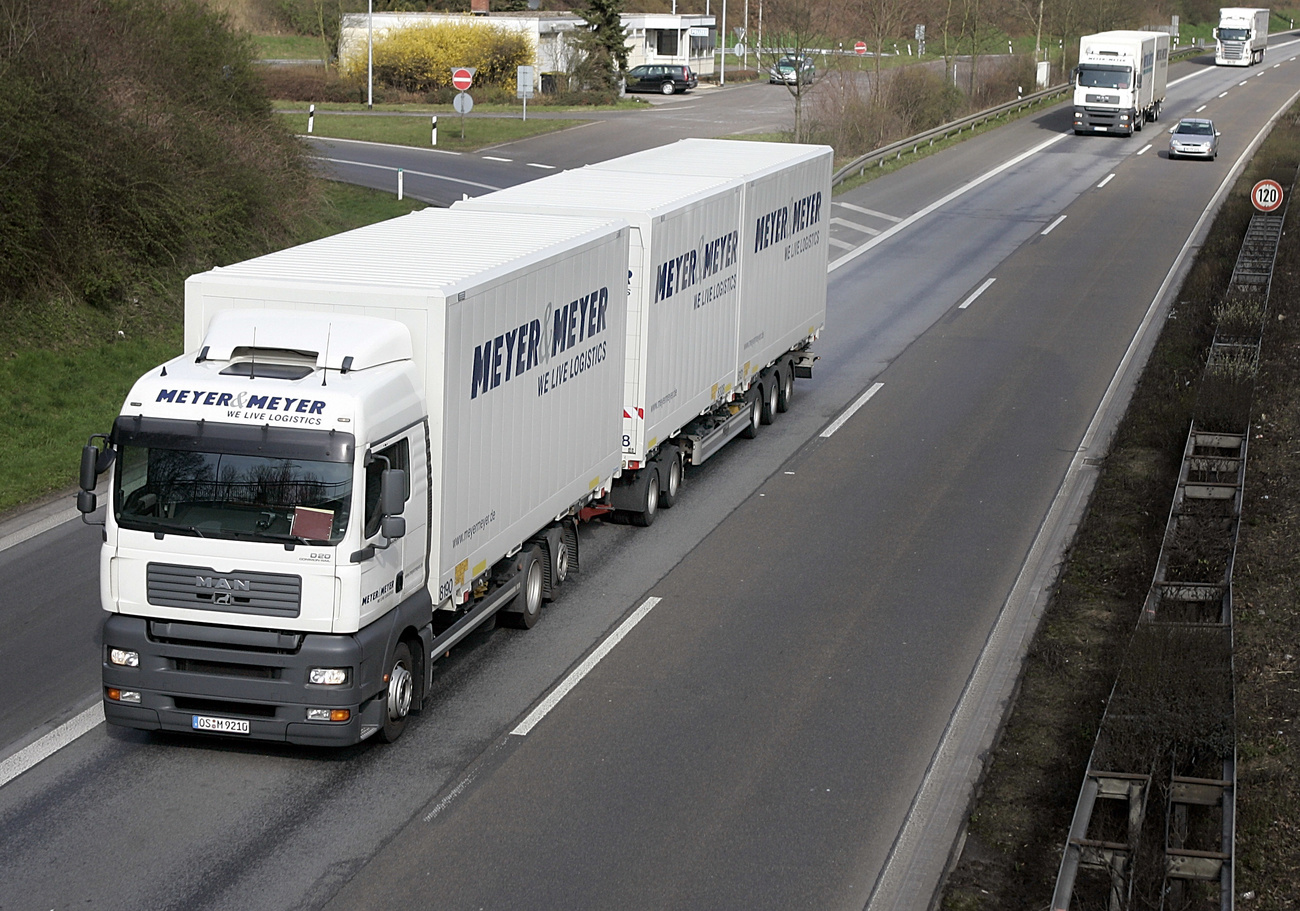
[[220, 725]]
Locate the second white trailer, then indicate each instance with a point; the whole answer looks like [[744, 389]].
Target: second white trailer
[[682, 303], [785, 221]]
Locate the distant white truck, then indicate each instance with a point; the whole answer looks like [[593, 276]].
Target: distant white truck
[[1120, 82], [1242, 36]]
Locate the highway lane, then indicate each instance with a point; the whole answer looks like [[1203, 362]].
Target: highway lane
[[211, 824]]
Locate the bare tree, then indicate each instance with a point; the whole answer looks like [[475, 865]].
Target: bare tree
[[793, 30], [881, 22]]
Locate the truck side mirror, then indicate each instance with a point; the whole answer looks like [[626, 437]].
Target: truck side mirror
[[393, 527], [89, 466], [392, 492]]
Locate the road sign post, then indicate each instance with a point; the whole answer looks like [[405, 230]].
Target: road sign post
[[1266, 195], [463, 104], [462, 77], [524, 86]]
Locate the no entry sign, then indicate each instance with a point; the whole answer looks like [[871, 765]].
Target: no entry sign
[[860, 48], [1266, 195], [462, 78]]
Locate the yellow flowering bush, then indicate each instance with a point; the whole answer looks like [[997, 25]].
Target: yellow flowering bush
[[420, 58]]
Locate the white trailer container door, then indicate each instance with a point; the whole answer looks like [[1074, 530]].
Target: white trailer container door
[[532, 408]]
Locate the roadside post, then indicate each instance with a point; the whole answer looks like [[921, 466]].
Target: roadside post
[[311, 118], [399, 183], [435, 129], [524, 86], [462, 77]]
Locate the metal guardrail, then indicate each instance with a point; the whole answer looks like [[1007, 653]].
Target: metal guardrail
[[912, 143], [929, 137]]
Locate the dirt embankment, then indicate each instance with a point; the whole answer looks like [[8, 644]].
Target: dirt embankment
[[1019, 823]]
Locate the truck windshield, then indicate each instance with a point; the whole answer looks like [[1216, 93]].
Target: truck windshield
[[209, 484], [1234, 34], [1105, 77]]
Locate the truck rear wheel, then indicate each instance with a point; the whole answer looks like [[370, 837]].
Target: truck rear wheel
[[645, 516], [768, 414], [785, 388], [668, 496], [397, 699], [526, 607], [755, 419]]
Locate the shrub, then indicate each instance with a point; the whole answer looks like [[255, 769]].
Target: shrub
[[420, 58]]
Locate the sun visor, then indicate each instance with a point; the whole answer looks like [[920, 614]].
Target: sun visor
[[333, 340]]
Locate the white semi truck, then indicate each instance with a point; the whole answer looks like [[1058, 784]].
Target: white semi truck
[[1119, 84], [1241, 37], [378, 441], [727, 291], [374, 443]]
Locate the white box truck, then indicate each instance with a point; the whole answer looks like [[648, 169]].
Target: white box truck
[[1241, 36], [1120, 81], [727, 293], [374, 443]]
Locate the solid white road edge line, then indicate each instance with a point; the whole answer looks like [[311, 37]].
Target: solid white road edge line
[[409, 172], [939, 808], [939, 203], [55, 740], [989, 281], [851, 410], [552, 700]]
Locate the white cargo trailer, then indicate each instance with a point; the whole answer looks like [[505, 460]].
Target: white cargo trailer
[[682, 299], [1241, 37], [1119, 84], [785, 216], [375, 442]]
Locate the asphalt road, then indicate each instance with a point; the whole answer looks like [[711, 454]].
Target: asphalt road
[[791, 721]]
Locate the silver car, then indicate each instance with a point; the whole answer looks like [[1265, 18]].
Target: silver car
[[1194, 137]]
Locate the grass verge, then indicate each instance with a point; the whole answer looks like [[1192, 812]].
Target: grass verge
[[65, 369], [402, 129], [1019, 822]]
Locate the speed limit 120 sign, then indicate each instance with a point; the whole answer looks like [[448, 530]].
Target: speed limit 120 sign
[[1266, 195]]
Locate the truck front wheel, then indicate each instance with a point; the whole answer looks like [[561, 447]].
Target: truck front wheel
[[397, 699]]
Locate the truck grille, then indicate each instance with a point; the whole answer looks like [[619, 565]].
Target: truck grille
[[237, 592]]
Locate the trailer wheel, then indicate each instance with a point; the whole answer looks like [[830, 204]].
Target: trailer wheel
[[668, 496], [645, 517], [755, 419], [526, 607], [769, 396], [785, 388], [397, 699]]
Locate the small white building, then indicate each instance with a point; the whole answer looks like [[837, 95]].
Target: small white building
[[671, 38], [657, 38]]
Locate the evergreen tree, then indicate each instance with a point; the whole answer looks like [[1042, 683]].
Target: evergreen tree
[[604, 47]]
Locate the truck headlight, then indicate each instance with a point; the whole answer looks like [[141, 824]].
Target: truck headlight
[[328, 676], [123, 657], [328, 714]]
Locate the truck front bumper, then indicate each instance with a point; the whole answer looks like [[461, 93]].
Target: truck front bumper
[[1104, 120], [258, 680]]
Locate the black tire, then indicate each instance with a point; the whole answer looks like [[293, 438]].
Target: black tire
[[755, 419], [769, 395], [399, 693], [785, 388], [668, 496], [668, 88], [526, 608], [645, 517], [560, 562]]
